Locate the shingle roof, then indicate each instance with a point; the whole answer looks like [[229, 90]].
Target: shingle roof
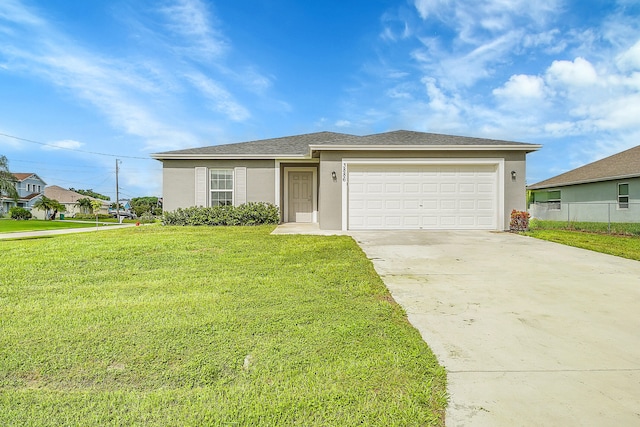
[[63, 195], [299, 145], [22, 176], [622, 165], [413, 138]]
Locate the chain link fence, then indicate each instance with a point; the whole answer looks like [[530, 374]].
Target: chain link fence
[[597, 212]]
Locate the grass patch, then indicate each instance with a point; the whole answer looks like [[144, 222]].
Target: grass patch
[[206, 326], [621, 228], [14, 226], [622, 246]]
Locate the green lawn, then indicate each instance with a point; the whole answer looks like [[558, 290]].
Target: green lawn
[[622, 246], [13, 226], [621, 228], [206, 326]]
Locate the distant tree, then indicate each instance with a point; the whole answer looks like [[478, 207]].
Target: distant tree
[[96, 205], [84, 204], [91, 193], [46, 204], [141, 205], [7, 180]]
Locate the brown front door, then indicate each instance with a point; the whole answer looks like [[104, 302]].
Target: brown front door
[[300, 196]]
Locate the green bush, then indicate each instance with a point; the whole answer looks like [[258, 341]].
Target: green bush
[[19, 213], [146, 218], [252, 213]]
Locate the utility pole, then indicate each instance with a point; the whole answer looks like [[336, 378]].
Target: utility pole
[[117, 194]]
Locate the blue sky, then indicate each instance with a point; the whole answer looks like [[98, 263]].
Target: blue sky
[[107, 79]]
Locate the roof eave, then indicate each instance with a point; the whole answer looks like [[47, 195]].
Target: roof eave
[[583, 181], [160, 156], [346, 147]]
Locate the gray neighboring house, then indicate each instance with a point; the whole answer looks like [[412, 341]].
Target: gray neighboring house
[[602, 191], [394, 180]]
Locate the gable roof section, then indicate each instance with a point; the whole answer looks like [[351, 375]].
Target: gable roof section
[[288, 146], [22, 176], [619, 166], [63, 195], [302, 146]]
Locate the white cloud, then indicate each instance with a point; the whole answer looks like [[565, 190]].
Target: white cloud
[[579, 72], [629, 60], [66, 143], [522, 86], [191, 20], [343, 123], [222, 101]]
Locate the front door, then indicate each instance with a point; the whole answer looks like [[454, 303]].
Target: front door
[[300, 196]]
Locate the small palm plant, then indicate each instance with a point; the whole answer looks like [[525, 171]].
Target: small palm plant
[[46, 204]]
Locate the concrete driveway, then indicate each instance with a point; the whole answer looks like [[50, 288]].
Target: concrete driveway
[[531, 332]]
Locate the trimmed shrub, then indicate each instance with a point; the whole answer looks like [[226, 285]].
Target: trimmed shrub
[[252, 213], [519, 220], [146, 218], [19, 213]]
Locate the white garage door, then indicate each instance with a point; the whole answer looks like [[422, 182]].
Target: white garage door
[[451, 196]]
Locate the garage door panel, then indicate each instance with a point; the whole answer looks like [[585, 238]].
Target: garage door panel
[[432, 196], [375, 204], [467, 205], [448, 204], [467, 187], [393, 204], [430, 188], [393, 188]]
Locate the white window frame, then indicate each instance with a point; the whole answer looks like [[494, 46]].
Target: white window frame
[[623, 204], [314, 190], [230, 172]]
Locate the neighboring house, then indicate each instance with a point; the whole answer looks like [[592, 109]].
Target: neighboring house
[[70, 201], [394, 180], [30, 187], [602, 191]]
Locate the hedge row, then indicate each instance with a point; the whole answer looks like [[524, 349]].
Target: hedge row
[[251, 213]]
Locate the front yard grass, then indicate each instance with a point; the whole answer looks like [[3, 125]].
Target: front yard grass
[[206, 326], [13, 226], [622, 246]]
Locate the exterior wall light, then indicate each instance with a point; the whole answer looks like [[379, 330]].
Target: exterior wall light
[[513, 175], [334, 176]]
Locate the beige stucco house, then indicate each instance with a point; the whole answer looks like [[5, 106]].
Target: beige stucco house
[[394, 180], [69, 199]]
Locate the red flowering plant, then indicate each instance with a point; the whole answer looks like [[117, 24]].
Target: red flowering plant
[[519, 220]]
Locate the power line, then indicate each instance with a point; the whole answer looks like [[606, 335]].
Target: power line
[[72, 149]]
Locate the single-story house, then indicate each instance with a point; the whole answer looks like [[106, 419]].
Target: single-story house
[[30, 188], [393, 180], [602, 191], [69, 199]]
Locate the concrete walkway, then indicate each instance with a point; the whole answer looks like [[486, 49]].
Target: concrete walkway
[[531, 332], [45, 233]]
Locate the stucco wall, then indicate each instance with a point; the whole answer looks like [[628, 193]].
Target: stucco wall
[[592, 202], [330, 197], [178, 180]]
